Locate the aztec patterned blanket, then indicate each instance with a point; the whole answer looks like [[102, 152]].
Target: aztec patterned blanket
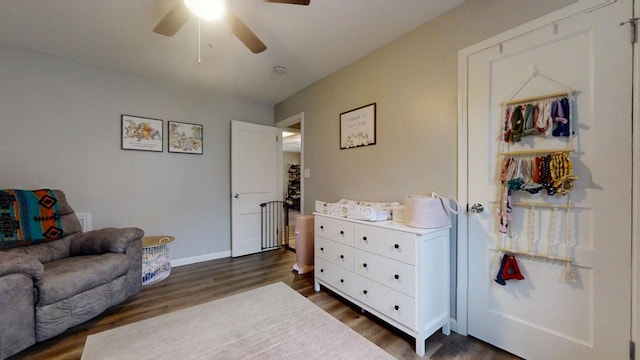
[[28, 217]]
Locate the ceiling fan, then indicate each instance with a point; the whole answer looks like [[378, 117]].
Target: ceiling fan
[[180, 13]]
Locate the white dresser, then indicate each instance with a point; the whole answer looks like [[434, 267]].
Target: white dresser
[[397, 273]]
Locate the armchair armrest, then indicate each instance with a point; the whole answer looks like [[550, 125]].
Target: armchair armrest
[[14, 263], [105, 240], [18, 274]]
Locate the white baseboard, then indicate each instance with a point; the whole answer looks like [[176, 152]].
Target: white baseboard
[[200, 258]]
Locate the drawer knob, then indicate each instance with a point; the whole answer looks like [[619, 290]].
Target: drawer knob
[[396, 276], [364, 265], [322, 249], [341, 232], [321, 270], [396, 246], [364, 238], [341, 256], [342, 281], [396, 307], [364, 292], [321, 227]]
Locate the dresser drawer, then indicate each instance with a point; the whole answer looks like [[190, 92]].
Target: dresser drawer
[[334, 252], [391, 273], [334, 229], [396, 245], [390, 303], [335, 276]]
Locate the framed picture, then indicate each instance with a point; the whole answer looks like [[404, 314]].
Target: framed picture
[[140, 133], [184, 138], [358, 127]]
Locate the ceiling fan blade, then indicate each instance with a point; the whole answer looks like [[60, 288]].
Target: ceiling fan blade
[[293, 2], [173, 21], [242, 32]]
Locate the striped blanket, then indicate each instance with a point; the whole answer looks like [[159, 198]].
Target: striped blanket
[[28, 216]]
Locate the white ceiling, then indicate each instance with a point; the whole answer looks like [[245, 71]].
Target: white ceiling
[[311, 41]]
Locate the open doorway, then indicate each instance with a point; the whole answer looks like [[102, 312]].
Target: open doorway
[[293, 169]]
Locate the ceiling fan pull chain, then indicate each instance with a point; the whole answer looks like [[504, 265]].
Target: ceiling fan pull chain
[[199, 61]]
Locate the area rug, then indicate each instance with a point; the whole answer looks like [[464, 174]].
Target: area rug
[[271, 322]]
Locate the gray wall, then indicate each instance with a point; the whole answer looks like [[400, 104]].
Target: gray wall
[[414, 83], [60, 128]]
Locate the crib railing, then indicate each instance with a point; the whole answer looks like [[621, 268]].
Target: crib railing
[[275, 224]]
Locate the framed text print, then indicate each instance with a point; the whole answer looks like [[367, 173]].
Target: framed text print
[[358, 127]]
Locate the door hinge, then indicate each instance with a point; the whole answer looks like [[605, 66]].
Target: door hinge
[[632, 350], [634, 28]]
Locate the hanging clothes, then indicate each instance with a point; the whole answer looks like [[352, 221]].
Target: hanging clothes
[[531, 115], [545, 117], [505, 206], [534, 171], [543, 121], [506, 131], [561, 170], [517, 125], [561, 117]]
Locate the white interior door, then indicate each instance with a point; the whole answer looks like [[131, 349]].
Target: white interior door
[[544, 317], [256, 163]]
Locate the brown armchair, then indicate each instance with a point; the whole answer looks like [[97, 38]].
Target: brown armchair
[[47, 287]]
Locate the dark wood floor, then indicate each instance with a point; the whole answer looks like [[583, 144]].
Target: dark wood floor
[[199, 283]]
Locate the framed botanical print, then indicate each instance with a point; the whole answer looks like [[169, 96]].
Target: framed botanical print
[[184, 138], [138, 133]]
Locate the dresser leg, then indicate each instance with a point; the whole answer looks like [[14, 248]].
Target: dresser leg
[[316, 286], [446, 328], [420, 348]]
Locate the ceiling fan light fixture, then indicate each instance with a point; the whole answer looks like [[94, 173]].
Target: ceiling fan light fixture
[[206, 9]]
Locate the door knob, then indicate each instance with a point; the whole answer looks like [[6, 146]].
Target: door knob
[[236, 195], [477, 208]]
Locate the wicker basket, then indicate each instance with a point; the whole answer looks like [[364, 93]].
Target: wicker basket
[[156, 258]]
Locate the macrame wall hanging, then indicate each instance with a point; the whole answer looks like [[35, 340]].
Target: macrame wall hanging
[[548, 172]]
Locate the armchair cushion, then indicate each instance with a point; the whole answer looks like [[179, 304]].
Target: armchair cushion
[[68, 277], [104, 240], [45, 252]]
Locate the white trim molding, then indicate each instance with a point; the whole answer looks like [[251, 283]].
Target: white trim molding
[[200, 258], [635, 224], [298, 118]]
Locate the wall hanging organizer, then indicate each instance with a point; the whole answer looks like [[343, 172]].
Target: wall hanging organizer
[[543, 173]]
